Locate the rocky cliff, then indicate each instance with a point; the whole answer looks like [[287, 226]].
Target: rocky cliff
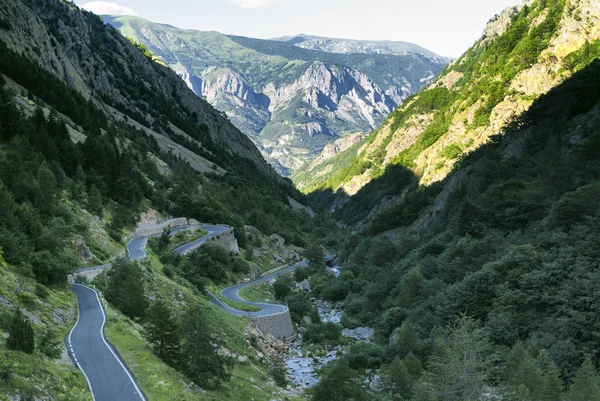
[[525, 51], [102, 65], [290, 101]]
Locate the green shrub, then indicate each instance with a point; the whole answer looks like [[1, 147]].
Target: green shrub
[[451, 151], [21, 336], [323, 333], [283, 286], [41, 291]]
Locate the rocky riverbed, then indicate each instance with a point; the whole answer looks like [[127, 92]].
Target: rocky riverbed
[[303, 365]]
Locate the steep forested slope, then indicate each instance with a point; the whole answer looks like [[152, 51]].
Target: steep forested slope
[[483, 284], [289, 100], [523, 53], [93, 133]]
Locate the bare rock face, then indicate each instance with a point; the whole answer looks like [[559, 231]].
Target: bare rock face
[[359, 334], [299, 206], [338, 146], [466, 129], [265, 345], [289, 101], [82, 250], [500, 23], [72, 45]]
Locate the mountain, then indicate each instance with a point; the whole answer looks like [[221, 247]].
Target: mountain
[[479, 286], [524, 52], [96, 138], [334, 45], [290, 101], [477, 278]]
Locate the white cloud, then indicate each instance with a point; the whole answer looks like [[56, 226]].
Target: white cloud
[[252, 3], [107, 8]]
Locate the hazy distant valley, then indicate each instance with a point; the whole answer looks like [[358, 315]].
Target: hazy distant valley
[[291, 96]]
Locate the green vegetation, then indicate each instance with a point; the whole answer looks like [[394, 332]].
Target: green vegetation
[[200, 359], [260, 292], [142, 48], [23, 373], [125, 289], [579, 59], [20, 332], [451, 151], [163, 333], [143, 346], [494, 283], [340, 383], [487, 72]]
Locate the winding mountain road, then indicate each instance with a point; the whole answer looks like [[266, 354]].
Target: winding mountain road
[[232, 293], [105, 372], [107, 375]]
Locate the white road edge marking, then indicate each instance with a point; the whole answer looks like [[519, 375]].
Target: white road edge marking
[[108, 346], [141, 248], [87, 379], [264, 279]]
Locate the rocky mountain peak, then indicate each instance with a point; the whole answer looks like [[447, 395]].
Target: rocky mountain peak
[[289, 100]]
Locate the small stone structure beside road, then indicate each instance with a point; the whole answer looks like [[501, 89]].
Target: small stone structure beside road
[[278, 325], [228, 241], [154, 228]]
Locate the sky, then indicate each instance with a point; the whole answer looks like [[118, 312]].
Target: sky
[[446, 27]]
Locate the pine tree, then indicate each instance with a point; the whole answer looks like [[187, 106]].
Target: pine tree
[[522, 371], [462, 362], [164, 239], [413, 365], [45, 190], [340, 383], [552, 384], [2, 262], [515, 359], [201, 361], [400, 379], [21, 336], [408, 338], [586, 385], [315, 255], [163, 333], [94, 201], [126, 289], [78, 187]]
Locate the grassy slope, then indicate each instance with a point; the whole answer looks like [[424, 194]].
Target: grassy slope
[[60, 380], [159, 381], [488, 72], [257, 293], [216, 47]]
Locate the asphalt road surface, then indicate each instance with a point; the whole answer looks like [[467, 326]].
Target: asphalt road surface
[[232, 294], [107, 376], [136, 247], [106, 373]]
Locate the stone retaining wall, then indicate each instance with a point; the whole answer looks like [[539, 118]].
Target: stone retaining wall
[[228, 241], [151, 228], [279, 325]]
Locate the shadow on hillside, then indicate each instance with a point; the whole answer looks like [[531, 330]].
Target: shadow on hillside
[[576, 96]]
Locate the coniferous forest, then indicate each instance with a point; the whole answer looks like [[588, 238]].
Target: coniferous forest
[[470, 260]]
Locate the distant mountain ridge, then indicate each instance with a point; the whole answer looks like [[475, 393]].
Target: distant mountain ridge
[[339, 45], [289, 100]]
